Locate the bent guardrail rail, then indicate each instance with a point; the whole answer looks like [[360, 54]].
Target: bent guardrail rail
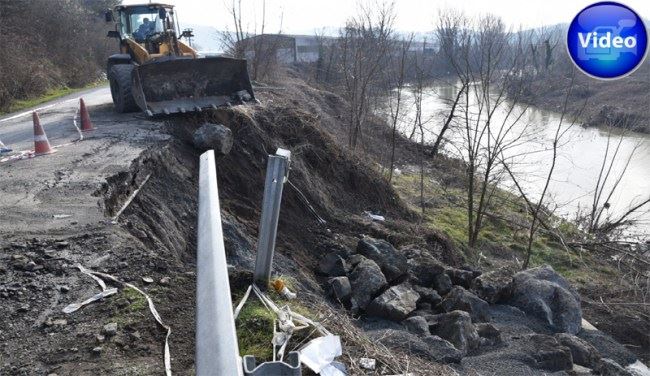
[[216, 339]]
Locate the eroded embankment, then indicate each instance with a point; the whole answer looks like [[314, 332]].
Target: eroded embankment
[[158, 239], [161, 224], [152, 238]]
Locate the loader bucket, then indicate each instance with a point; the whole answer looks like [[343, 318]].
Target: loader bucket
[[187, 85]]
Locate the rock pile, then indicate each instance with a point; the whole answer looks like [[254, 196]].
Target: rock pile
[[445, 314]]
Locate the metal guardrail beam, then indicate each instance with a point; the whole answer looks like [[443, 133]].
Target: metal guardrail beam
[[277, 171], [217, 351]]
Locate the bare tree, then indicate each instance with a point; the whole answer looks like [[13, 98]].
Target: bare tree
[[260, 49], [536, 209], [365, 42], [417, 90], [543, 40], [395, 105], [482, 52], [234, 44], [448, 119], [599, 221]]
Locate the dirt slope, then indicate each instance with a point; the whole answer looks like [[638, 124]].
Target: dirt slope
[[155, 236]]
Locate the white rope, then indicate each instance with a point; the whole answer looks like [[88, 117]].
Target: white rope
[[285, 320], [152, 308], [242, 302], [128, 201], [74, 122]]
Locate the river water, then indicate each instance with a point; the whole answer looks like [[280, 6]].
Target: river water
[[580, 154]]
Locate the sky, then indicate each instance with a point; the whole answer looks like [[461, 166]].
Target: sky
[[306, 16]]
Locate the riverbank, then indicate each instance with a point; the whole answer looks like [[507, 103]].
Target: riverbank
[[502, 242], [580, 154], [623, 103]]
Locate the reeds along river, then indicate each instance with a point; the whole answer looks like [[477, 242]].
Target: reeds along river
[[529, 153]]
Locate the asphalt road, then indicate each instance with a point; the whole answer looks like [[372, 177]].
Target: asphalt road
[[16, 129], [58, 192]]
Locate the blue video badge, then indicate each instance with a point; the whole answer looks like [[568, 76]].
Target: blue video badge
[[607, 40]]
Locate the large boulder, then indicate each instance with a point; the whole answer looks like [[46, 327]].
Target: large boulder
[[422, 267], [366, 280], [609, 367], [457, 328], [462, 277], [582, 352], [417, 325], [427, 295], [341, 289], [549, 354], [392, 263], [463, 300], [542, 293], [332, 265], [442, 284], [494, 286], [428, 347], [490, 334], [607, 346], [213, 136], [395, 303], [442, 350]]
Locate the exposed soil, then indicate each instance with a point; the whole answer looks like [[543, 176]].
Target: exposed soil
[[155, 237]]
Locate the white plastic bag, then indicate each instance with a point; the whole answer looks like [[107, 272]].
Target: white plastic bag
[[320, 352]]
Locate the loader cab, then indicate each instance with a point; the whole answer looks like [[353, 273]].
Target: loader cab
[[143, 21], [150, 28]]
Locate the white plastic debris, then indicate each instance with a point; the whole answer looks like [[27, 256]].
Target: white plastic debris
[[320, 352], [61, 216], [367, 363], [331, 370], [75, 306], [587, 325], [638, 369], [375, 217], [287, 293], [280, 338]]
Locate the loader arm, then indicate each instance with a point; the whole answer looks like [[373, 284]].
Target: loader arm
[[139, 53]]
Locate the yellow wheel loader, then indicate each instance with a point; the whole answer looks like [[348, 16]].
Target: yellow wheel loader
[[160, 74]]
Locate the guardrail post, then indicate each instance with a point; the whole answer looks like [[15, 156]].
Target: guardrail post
[[216, 339], [277, 171]]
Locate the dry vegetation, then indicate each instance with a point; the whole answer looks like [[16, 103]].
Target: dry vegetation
[[50, 44]]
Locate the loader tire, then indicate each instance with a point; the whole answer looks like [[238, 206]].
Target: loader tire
[[120, 81]]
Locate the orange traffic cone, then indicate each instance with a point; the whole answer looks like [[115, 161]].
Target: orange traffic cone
[[86, 124], [41, 144]]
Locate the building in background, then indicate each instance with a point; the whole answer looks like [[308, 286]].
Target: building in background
[[287, 48]]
